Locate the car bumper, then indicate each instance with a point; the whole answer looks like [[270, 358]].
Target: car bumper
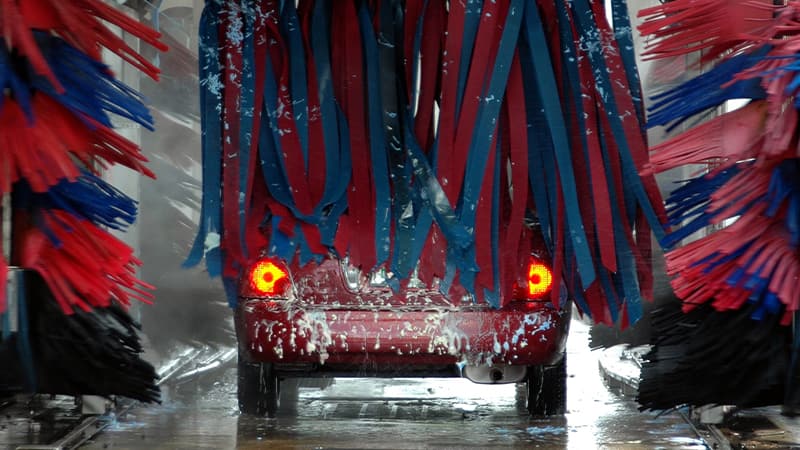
[[287, 333]]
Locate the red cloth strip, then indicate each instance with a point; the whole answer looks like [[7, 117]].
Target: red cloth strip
[[434, 40], [451, 60], [602, 223], [360, 223], [483, 56], [431, 59], [483, 224], [518, 154], [315, 173], [558, 254]]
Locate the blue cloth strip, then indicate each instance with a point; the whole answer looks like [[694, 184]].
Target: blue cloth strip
[[246, 114], [472, 18], [493, 295], [541, 179], [206, 244], [390, 18], [623, 31], [415, 76], [338, 167], [269, 138]]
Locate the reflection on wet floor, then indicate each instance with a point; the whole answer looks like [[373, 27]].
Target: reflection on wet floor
[[36, 420], [402, 413]]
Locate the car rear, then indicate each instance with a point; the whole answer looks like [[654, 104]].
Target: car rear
[[321, 321], [331, 319]]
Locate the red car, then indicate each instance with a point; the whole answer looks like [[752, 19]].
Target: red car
[[331, 320]]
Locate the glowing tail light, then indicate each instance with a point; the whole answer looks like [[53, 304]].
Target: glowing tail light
[[540, 279], [268, 278]]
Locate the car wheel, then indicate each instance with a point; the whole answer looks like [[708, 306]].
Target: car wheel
[[257, 389], [547, 389]]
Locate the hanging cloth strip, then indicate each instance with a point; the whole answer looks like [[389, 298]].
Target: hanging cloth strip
[[389, 18], [232, 25], [547, 91], [357, 164], [206, 244]]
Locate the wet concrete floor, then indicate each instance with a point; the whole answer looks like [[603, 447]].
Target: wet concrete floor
[[402, 413]]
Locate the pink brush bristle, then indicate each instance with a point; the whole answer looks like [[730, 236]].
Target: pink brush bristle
[[681, 27]]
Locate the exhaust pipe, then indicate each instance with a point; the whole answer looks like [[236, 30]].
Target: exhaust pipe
[[496, 374]]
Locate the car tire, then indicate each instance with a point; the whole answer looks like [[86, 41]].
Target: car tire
[[258, 390], [547, 389]]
